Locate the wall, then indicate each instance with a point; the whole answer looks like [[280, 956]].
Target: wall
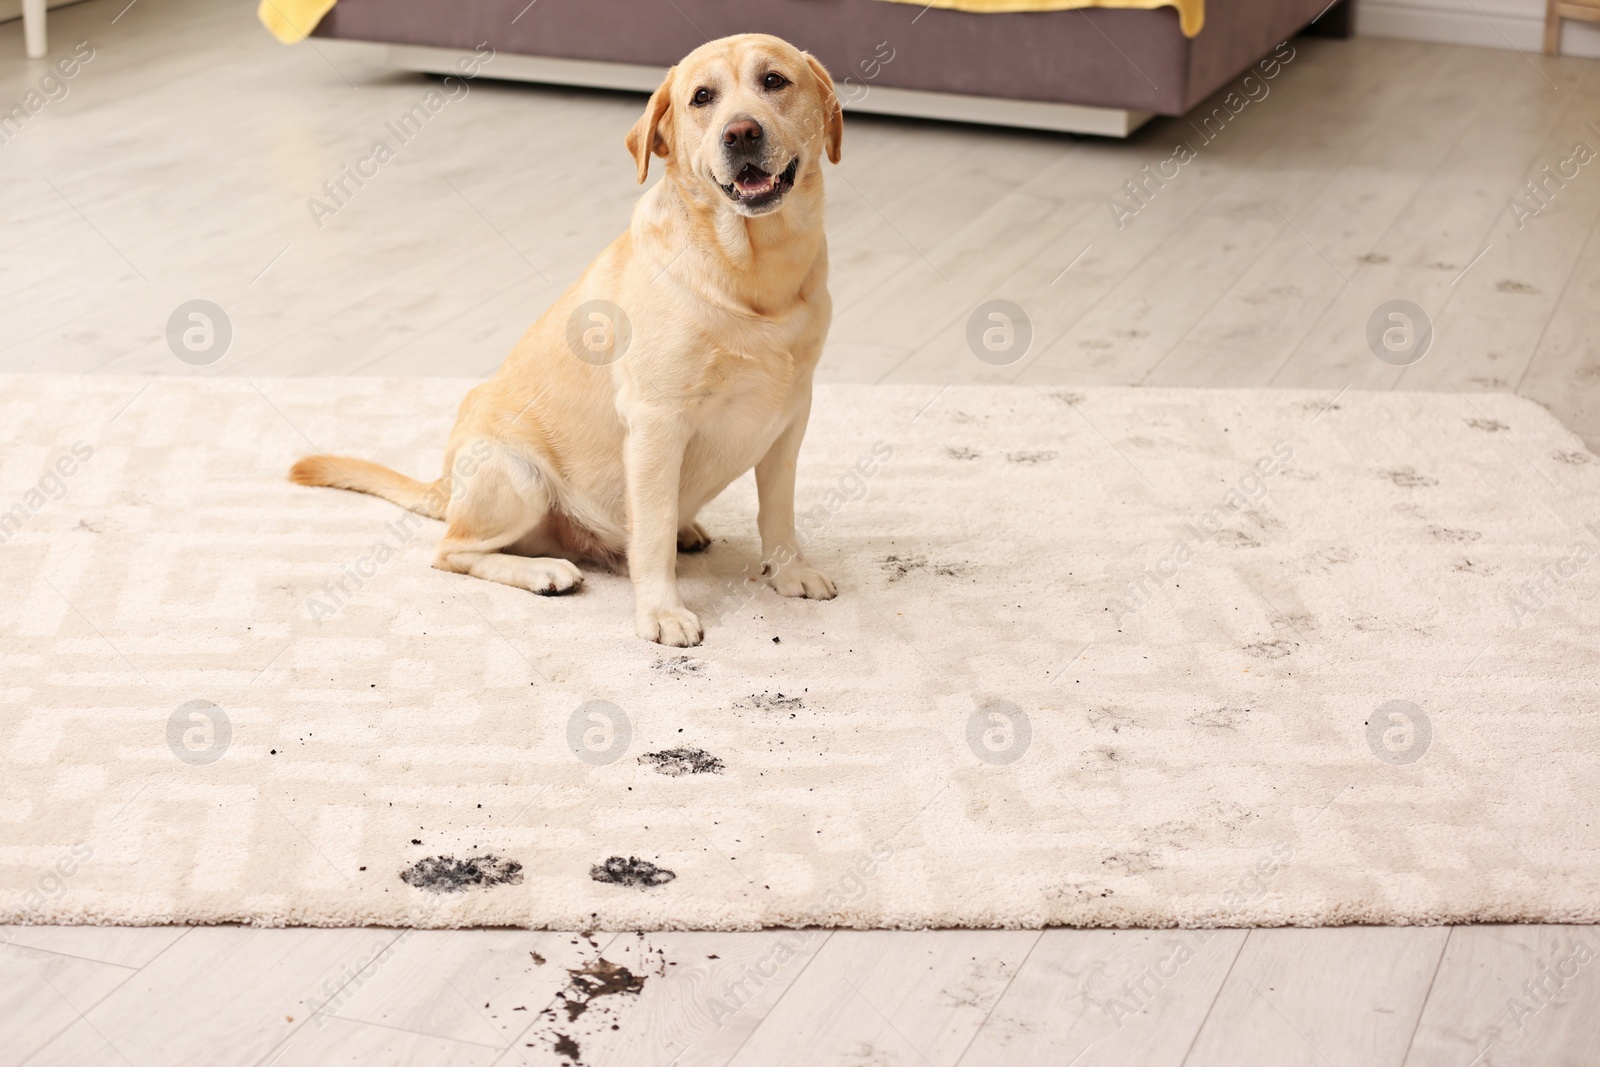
[[1488, 23]]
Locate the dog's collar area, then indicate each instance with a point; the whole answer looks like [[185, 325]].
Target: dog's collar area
[[757, 187]]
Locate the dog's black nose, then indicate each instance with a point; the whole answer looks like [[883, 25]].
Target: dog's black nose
[[742, 135]]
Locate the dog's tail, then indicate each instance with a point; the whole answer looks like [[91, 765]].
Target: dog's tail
[[342, 472]]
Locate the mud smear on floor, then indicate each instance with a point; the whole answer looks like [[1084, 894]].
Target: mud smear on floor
[[677, 762], [568, 1048], [602, 978], [897, 567], [775, 702], [1409, 478], [632, 871], [678, 666], [446, 874], [1224, 718], [585, 986], [1442, 533]]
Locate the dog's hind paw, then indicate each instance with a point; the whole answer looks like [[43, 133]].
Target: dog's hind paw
[[550, 577], [693, 538], [678, 627]]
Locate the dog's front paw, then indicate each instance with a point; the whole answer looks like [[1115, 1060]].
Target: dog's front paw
[[693, 538], [678, 627], [801, 579]]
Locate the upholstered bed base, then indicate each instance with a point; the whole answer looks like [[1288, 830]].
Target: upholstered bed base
[[1095, 70]]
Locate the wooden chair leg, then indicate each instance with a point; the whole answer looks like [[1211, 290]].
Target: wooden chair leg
[[1552, 28]]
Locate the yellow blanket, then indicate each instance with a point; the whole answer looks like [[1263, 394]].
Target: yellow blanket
[[1191, 13], [292, 20]]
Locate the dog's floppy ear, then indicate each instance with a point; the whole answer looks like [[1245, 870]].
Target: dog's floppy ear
[[647, 136], [832, 113]]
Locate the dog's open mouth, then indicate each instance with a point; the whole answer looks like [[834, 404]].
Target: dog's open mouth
[[756, 187]]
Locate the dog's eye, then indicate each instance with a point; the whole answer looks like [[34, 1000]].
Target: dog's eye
[[774, 80], [702, 97]]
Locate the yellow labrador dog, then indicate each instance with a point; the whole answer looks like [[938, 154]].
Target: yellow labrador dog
[[679, 360]]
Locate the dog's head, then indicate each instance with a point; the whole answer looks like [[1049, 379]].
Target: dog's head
[[741, 120]]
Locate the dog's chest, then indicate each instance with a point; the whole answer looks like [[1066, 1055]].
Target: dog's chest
[[749, 399], [752, 380]]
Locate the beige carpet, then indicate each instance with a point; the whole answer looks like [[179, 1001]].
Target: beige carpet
[[1118, 657]]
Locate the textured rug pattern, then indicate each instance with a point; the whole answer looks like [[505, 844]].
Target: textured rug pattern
[[1108, 657]]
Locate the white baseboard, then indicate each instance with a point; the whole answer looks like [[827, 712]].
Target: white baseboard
[[1519, 25]]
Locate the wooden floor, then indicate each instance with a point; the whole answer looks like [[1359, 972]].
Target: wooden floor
[[179, 165]]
